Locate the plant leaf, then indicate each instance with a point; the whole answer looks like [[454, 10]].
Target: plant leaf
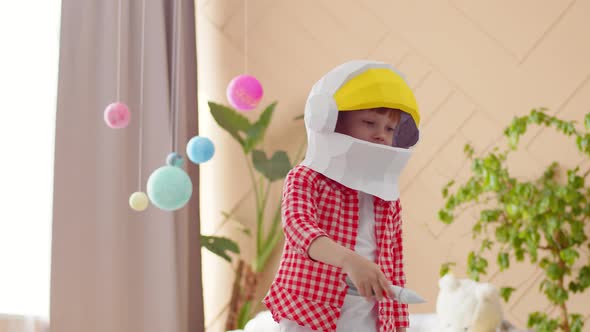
[[503, 261], [231, 121], [445, 216], [505, 292], [446, 268], [255, 133], [587, 121], [569, 256], [576, 323], [220, 246], [274, 169]]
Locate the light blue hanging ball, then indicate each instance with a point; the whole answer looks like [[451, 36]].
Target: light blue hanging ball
[[174, 159], [200, 149], [169, 188]]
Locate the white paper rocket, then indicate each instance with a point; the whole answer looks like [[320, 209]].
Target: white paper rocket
[[406, 295]]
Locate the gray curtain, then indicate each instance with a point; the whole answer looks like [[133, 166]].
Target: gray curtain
[[115, 269]]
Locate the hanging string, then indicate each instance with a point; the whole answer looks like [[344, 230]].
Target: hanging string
[[178, 73], [141, 93], [173, 106], [245, 36], [119, 52]]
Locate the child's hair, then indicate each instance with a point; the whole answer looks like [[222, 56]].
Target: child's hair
[[394, 114]]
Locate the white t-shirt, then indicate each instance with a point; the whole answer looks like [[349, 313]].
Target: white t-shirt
[[357, 313], [366, 242]]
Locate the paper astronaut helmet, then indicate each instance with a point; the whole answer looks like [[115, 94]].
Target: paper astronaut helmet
[[361, 165]]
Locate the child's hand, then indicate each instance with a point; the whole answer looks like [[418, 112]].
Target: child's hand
[[366, 276], [400, 329]]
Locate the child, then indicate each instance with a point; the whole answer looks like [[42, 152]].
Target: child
[[340, 208]]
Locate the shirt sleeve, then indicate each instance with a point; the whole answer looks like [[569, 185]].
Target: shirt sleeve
[[299, 210], [400, 309]]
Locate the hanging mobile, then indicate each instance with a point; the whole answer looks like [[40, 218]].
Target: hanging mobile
[[244, 92], [169, 187], [139, 201], [116, 114]]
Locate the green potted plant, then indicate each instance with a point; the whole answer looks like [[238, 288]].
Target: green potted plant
[[542, 220], [263, 172]]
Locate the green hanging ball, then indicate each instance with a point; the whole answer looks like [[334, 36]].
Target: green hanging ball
[[169, 188]]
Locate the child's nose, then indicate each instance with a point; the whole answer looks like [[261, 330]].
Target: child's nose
[[379, 135]]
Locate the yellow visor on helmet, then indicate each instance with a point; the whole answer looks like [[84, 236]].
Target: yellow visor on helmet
[[377, 87]]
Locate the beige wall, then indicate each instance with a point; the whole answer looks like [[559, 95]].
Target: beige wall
[[473, 65]]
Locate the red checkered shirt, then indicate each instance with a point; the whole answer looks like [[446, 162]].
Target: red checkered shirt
[[312, 293]]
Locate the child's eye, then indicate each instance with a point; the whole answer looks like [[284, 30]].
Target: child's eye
[[370, 123], [390, 129]]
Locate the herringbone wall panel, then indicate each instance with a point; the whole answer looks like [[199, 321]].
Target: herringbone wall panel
[[474, 65]]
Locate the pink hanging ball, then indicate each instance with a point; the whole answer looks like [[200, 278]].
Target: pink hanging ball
[[244, 92], [117, 115]]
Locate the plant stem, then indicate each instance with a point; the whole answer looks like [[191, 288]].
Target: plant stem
[[299, 153], [266, 192], [562, 307], [232, 211], [564, 319], [258, 203], [259, 220], [276, 220], [270, 242], [253, 180], [465, 208], [234, 302]]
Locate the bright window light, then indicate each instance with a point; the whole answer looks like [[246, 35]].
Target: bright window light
[[29, 31]]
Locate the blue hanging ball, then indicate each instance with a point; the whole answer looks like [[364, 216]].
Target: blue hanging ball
[[174, 159], [169, 188], [200, 149]]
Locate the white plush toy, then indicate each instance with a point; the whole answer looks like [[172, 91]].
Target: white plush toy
[[262, 322], [462, 305], [465, 305]]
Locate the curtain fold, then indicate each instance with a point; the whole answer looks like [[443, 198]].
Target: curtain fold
[[115, 269]]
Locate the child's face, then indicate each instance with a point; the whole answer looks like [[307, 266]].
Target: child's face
[[367, 125]]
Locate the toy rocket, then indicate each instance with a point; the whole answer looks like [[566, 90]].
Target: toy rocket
[[406, 295]]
